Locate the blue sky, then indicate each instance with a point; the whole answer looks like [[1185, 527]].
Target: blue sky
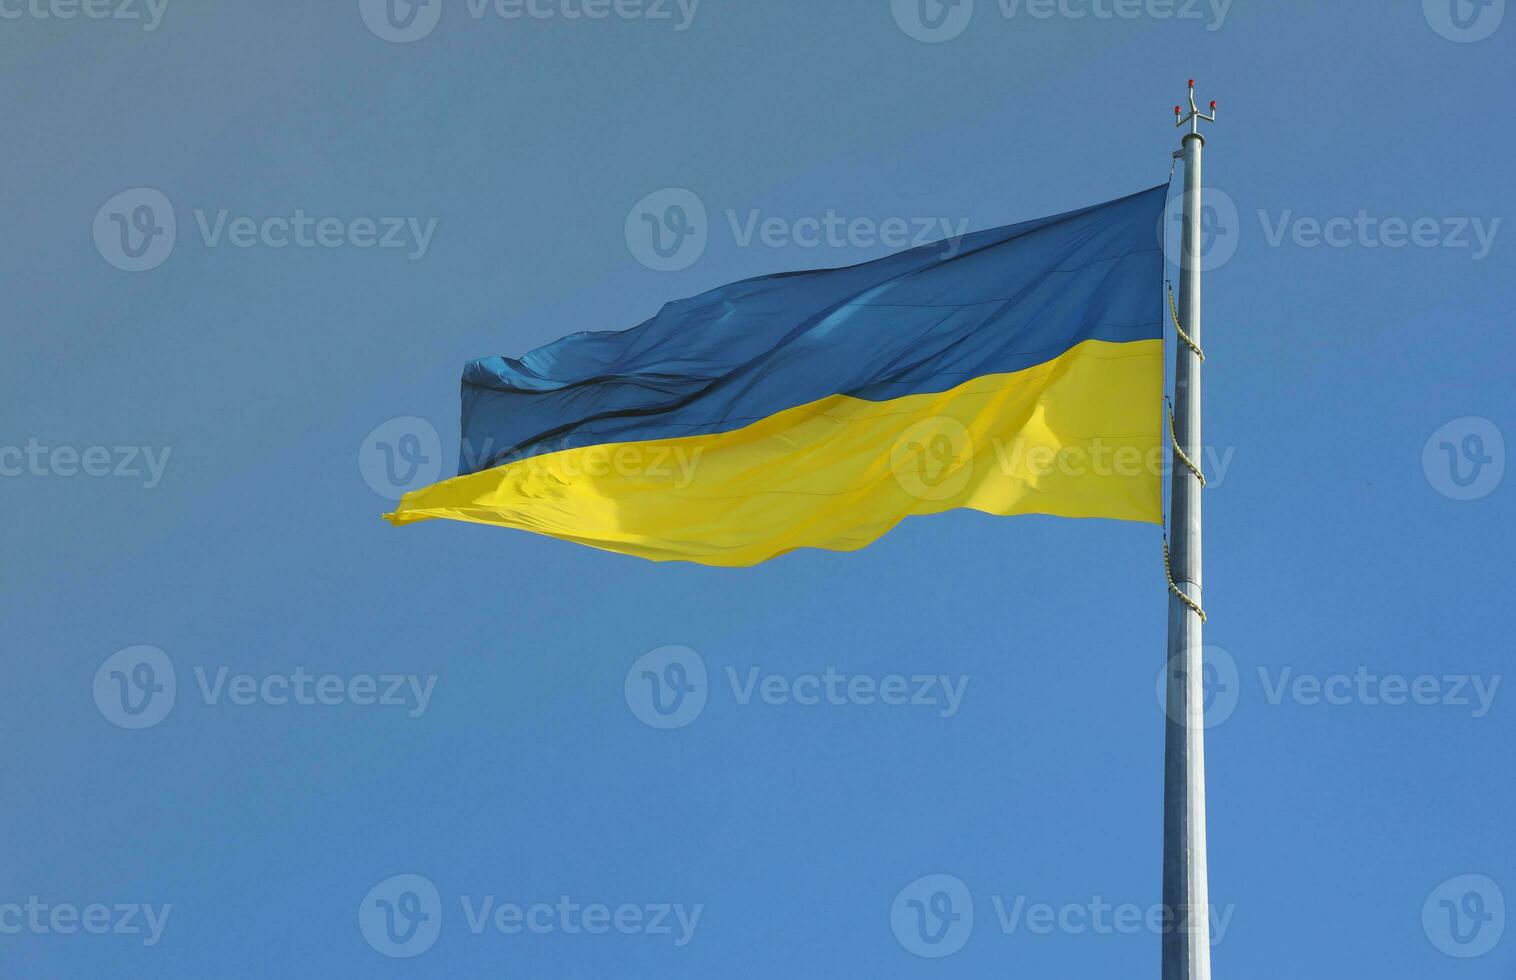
[[193, 463]]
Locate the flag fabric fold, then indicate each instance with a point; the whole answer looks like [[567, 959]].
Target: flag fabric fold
[[1013, 371]]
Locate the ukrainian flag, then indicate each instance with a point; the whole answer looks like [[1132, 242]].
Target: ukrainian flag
[[1012, 371]]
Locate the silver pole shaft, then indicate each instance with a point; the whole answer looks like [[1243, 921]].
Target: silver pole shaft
[[1186, 938]]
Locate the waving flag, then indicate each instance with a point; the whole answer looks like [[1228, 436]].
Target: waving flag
[[1014, 371]]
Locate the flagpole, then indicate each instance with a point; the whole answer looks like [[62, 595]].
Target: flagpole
[[1186, 901]]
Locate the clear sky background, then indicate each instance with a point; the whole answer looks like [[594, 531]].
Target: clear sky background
[[1332, 546]]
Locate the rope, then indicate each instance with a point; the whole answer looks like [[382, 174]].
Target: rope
[[1180, 453], [1188, 342], [1174, 586], [1183, 457]]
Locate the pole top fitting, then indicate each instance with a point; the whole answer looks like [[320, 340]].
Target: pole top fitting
[[1195, 115]]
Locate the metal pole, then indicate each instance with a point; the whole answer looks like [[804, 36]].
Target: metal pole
[[1186, 901]]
